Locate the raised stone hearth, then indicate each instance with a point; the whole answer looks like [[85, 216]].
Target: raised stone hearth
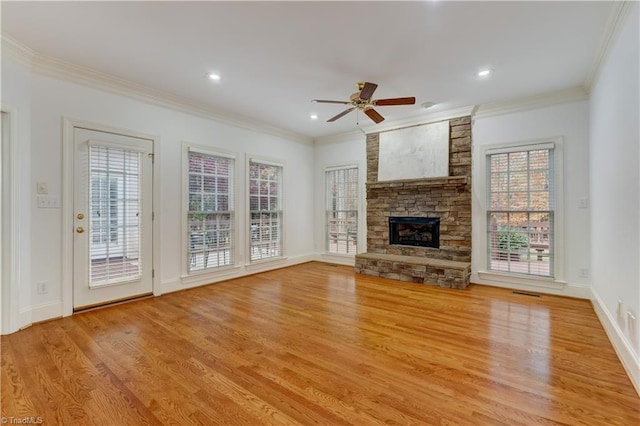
[[445, 273], [445, 198]]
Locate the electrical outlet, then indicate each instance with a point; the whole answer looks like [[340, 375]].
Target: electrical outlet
[[583, 273], [43, 287], [631, 322], [583, 203]]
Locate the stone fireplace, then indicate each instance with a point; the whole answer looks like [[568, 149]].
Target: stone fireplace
[[421, 203]]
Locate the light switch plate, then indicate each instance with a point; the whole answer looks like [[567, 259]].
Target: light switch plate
[[42, 188]]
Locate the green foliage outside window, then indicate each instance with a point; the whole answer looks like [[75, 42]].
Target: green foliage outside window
[[512, 239]]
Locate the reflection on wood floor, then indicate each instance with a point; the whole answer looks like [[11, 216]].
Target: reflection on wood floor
[[317, 344]]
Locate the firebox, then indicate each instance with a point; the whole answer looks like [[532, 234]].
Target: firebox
[[414, 231]]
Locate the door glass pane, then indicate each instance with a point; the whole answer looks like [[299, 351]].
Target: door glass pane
[[114, 211]]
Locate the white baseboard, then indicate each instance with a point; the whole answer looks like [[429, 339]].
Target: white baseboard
[[46, 311], [237, 272], [337, 259], [40, 312], [629, 359], [533, 285]]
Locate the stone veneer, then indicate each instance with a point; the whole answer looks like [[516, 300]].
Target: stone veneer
[[447, 198]]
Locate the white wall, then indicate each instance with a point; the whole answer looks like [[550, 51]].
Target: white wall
[[44, 101], [571, 122], [17, 298], [349, 149], [615, 193]]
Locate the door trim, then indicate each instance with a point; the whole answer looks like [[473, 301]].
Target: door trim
[[68, 126], [12, 243]]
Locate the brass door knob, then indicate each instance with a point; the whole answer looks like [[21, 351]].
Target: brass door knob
[[79, 229], [80, 216]]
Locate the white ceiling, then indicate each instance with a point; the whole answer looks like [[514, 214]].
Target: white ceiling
[[274, 57]]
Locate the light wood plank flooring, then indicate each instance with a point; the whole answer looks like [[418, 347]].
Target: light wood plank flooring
[[316, 344]]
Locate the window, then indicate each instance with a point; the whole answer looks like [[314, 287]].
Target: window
[[210, 216], [342, 210], [265, 210], [520, 216]]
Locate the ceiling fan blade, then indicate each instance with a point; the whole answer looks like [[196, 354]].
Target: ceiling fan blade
[[395, 101], [373, 114], [324, 101], [343, 113], [367, 91]]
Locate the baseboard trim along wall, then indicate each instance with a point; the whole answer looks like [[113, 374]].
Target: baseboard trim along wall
[[197, 280], [630, 361], [41, 312], [557, 288], [337, 259]]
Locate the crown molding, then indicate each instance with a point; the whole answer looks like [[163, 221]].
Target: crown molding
[[615, 23], [398, 124], [572, 94], [16, 51], [421, 119], [88, 77], [340, 137]]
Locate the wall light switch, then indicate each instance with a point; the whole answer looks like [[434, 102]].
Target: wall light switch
[[42, 188]]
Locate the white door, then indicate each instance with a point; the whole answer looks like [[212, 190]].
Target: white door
[[112, 247]]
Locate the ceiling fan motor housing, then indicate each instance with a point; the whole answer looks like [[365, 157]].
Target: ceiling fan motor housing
[[359, 103]]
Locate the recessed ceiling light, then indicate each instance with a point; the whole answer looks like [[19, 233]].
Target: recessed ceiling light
[[484, 73], [426, 105], [313, 116], [214, 76]]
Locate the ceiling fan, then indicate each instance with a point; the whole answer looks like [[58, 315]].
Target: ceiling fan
[[362, 101]]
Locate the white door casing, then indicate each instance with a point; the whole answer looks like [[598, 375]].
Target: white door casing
[[112, 217]]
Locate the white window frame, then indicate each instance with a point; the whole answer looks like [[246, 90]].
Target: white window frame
[[282, 256], [558, 275], [202, 276], [327, 209]]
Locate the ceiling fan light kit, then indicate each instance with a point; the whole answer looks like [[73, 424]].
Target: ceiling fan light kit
[[362, 101]]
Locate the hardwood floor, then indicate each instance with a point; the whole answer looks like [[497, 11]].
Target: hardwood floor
[[316, 344]]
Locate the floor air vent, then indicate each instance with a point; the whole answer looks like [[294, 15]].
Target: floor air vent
[[523, 293]]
